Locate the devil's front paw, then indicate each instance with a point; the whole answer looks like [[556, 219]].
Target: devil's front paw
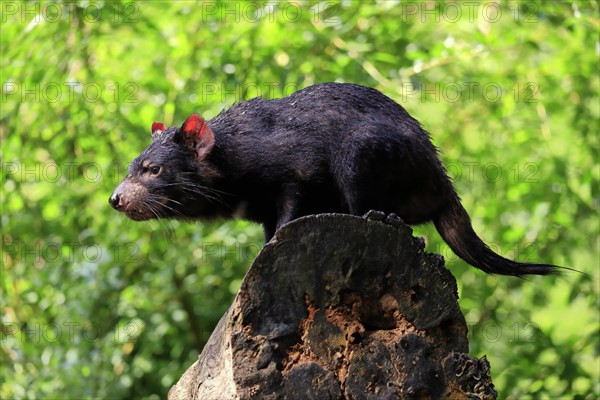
[[375, 215], [391, 218], [394, 220]]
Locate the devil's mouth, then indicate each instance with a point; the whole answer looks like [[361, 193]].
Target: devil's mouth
[[139, 214]]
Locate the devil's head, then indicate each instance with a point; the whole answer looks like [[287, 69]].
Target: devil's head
[[173, 177]]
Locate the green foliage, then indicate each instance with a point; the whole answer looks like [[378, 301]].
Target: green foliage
[[94, 305]]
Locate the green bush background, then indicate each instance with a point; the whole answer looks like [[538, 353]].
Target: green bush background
[[95, 305]]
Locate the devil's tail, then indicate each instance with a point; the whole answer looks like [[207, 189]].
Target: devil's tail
[[454, 225]]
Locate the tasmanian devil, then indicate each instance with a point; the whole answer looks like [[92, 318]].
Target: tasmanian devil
[[331, 147]]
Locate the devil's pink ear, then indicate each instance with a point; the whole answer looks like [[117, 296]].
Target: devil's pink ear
[[193, 125], [157, 129], [158, 126], [197, 135]]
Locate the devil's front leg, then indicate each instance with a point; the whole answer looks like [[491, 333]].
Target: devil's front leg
[[287, 208]]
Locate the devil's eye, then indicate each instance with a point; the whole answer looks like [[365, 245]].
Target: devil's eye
[[155, 170]]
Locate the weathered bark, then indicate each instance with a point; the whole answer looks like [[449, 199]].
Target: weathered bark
[[341, 307]]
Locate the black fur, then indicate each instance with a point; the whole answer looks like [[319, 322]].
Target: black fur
[[328, 148]]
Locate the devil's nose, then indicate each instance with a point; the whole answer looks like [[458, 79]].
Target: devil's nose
[[115, 201]]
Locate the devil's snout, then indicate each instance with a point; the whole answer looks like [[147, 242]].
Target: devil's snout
[[116, 200]]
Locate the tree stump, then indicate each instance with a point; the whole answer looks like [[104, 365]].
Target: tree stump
[[341, 307]]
